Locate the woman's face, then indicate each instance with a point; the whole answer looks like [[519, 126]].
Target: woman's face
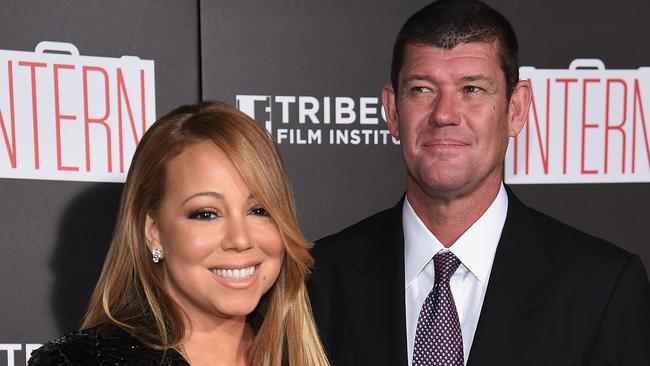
[[222, 251]]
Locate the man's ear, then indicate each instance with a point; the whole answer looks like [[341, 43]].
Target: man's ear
[[151, 233], [518, 107], [390, 107]]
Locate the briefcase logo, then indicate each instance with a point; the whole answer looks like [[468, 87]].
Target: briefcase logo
[[64, 116], [586, 124]]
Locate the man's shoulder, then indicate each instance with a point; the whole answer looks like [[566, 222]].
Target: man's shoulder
[[568, 245]]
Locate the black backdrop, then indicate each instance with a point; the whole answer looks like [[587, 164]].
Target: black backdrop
[[54, 234]]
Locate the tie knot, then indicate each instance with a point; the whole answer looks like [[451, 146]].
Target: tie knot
[[445, 264]]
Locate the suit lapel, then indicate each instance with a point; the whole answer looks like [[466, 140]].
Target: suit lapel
[[379, 326], [376, 310], [520, 266]]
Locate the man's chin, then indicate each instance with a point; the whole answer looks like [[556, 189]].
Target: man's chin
[[440, 184]]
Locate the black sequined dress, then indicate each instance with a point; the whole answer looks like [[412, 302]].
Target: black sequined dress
[[102, 345]]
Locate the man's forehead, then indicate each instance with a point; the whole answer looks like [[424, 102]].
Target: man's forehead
[[487, 48], [455, 41], [471, 59]]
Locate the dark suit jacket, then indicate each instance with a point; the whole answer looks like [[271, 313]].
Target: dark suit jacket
[[556, 296]]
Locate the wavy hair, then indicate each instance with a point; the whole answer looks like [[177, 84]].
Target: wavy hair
[[130, 292]]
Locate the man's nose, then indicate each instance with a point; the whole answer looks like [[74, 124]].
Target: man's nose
[[445, 110]]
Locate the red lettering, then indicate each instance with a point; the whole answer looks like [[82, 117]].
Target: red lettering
[[637, 98], [542, 150], [59, 117], [586, 125], [619, 127], [33, 66], [143, 100], [121, 89], [101, 120], [11, 146], [566, 119]]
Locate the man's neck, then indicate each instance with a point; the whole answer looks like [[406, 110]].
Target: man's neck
[[449, 214]]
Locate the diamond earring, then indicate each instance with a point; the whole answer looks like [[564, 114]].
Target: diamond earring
[[157, 255]]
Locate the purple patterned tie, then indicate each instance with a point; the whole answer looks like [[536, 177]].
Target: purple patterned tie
[[438, 339]]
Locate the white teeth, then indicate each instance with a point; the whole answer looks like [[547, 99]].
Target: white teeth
[[236, 274]]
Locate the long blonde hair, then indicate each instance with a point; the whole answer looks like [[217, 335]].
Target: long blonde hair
[[130, 291]]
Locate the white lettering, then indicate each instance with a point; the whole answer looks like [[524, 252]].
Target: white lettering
[[281, 135], [314, 136], [365, 110], [344, 110], [308, 107], [326, 110], [296, 136], [340, 111], [285, 101], [10, 348]]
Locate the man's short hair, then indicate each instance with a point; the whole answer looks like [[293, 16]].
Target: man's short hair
[[448, 23]]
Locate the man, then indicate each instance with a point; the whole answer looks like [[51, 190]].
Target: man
[[460, 271]]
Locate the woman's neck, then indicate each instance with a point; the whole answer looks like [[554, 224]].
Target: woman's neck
[[224, 344]]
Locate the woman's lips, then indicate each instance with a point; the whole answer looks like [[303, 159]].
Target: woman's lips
[[236, 277], [234, 273]]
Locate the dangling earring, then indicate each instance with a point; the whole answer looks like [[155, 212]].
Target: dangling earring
[[157, 255]]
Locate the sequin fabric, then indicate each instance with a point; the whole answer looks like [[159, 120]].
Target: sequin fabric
[[438, 338], [104, 345]]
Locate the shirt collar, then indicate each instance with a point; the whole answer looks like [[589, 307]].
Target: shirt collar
[[475, 248]]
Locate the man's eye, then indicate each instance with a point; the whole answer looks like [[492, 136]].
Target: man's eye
[[420, 90], [259, 211], [471, 89], [421, 93], [203, 215]]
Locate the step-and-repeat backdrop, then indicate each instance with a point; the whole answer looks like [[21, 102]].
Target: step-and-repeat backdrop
[[80, 81]]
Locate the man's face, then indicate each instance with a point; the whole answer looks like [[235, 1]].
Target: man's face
[[453, 118]]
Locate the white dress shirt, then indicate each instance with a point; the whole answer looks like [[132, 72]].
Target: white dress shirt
[[475, 249]]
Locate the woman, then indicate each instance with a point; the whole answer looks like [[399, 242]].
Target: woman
[[207, 263]]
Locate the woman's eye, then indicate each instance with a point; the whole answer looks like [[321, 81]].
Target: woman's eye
[[259, 211], [203, 215]]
